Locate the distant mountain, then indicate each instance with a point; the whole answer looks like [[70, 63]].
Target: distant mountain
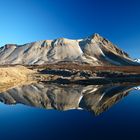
[[137, 60], [94, 50]]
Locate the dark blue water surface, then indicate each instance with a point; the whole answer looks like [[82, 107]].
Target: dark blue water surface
[[121, 121]]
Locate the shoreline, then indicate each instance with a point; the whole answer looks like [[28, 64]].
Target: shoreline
[[16, 75]]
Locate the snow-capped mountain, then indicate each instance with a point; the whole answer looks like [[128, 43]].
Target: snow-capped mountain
[[137, 60], [94, 50]]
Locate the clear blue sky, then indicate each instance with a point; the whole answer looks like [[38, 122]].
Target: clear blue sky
[[23, 21]]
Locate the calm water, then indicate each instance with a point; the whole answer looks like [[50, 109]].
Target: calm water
[[91, 112]]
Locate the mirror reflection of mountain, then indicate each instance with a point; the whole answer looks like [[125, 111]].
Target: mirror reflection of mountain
[[94, 98]]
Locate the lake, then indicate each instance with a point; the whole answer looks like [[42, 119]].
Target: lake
[[70, 112]]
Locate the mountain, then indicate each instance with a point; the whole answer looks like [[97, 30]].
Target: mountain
[[94, 50], [137, 60]]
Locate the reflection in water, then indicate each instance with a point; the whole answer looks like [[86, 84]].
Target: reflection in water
[[95, 98]]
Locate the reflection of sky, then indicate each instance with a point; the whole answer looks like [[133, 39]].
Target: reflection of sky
[[120, 121], [30, 20]]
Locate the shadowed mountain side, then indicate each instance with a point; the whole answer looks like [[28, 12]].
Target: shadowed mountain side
[[95, 98]]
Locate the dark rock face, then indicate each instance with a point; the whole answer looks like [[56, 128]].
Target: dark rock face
[[95, 98]]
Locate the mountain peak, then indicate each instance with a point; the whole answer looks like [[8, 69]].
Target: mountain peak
[[95, 36]]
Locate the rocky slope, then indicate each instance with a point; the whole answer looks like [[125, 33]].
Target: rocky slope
[[94, 50], [14, 76]]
